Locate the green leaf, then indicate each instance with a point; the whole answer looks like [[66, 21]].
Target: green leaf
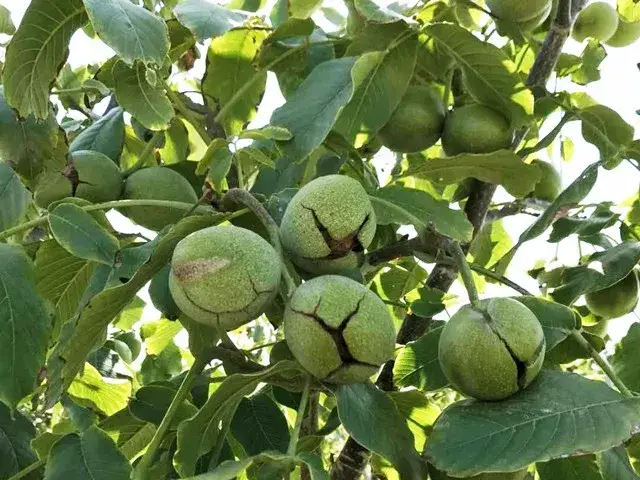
[[615, 465], [629, 10], [157, 335], [252, 155], [605, 128], [220, 166], [408, 206], [130, 434], [430, 302], [293, 27], [572, 195], [559, 414], [105, 135], [90, 455], [30, 146], [601, 271], [314, 464], [6, 25], [259, 425], [176, 147], [592, 57], [14, 198], [197, 435], [417, 363], [90, 390], [374, 12], [81, 235], [24, 326], [266, 133], [80, 337], [419, 412], [16, 433], [491, 244], [574, 468], [373, 420], [601, 218], [490, 77], [302, 8], [381, 79], [206, 19], [131, 315], [312, 110], [625, 359], [503, 167], [149, 105], [151, 403], [232, 469], [556, 319], [162, 367], [37, 52], [230, 66], [133, 32]]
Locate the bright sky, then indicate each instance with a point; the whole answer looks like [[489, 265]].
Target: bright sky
[[617, 89]]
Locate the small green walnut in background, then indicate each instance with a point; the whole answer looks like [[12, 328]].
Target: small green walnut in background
[[492, 350], [417, 123], [338, 329], [475, 129], [550, 184], [626, 34], [615, 301], [328, 224], [90, 175], [528, 14], [157, 183], [519, 475], [224, 276], [599, 21], [160, 294]]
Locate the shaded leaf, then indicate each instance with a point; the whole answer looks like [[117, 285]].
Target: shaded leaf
[[151, 403], [6, 25], [133, 32], [502, 167], [417, 364], [14, 198], [81, 235], [615, 465], [157, 335], [625, 359], [376, 11], [16, 433], [90, 389], [574, 468], [38, 51], [373, 420], [601, 218], [312, 110], [259, 425], [130, 434], [419, 412], [408, 206], [207, 19], [105, 135], [559, 414], [252, 155]]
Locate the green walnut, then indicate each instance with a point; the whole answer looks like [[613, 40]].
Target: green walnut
[[527, 12], [492, 350], [224, 276], [599, 21], [626, 34], [550, 184], [475, 129], [90, 175], [328, 224], [615, 301], [519, 475], [157, 183], [417, 123], [160, 294], [338, 329]]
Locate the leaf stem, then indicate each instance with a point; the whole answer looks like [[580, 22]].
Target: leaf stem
[[465, 271], [27, 470], [302, 408], [186, 113], [198, 365], [602, 363]]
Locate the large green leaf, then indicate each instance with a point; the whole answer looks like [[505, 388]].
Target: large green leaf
[[79, 337], [130, 434], [90, 455], [626, 358], [152, 402], [259, 425], [24, 326], [417, 364], [6, 25], [583, 467], [207, 19], [381, 77], [230, 66], [373, 420], [105, 135], [600, 219], [81, 235], [490, 77], [147, 103], [312, 110], [90, 389], [615, 465], [30, 146], [560, 414], [502, 168], [605, 128], [133, 32], [572, 195], [14, 198], [601, 271], [16, 433], [197, 435], [419, 412], [408, 206], [38, 51]]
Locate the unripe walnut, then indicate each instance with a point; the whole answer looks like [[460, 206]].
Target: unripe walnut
[[550, 184], [519, 11], [224, 276], [328, 224], [599, 20], [492, 350], [615, 301], [338, 329], [475, 128]]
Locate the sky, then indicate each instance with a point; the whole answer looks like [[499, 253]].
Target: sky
[[617, 89]]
